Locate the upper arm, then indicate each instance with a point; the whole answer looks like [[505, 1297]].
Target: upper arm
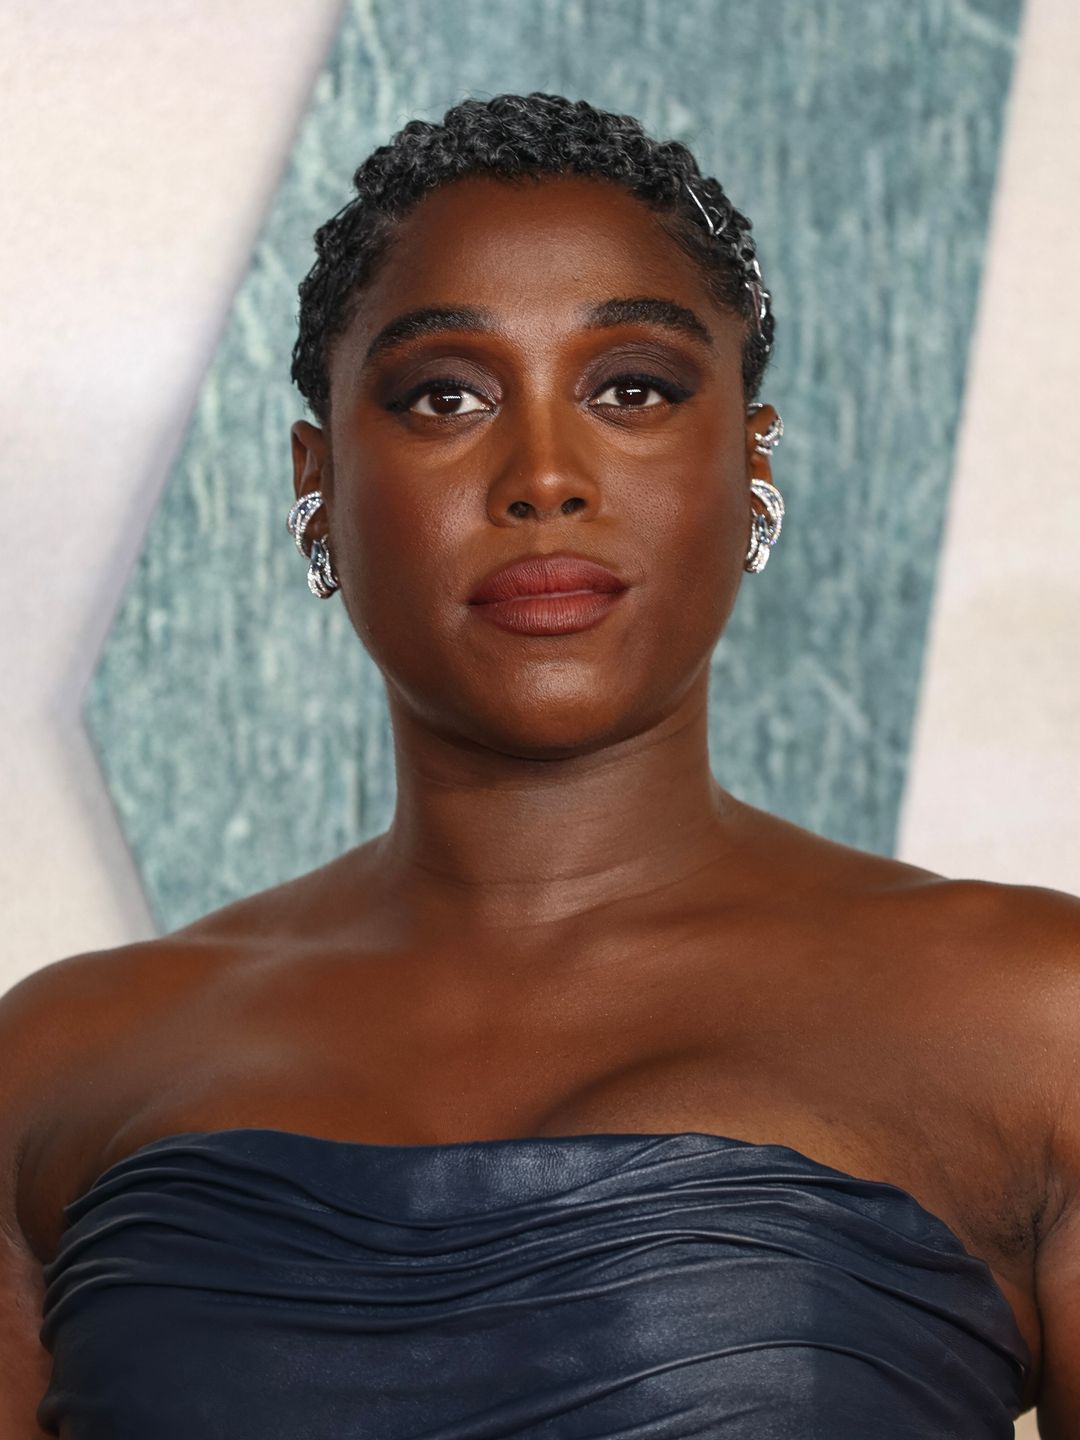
[[1058, 1293], [1051, 927], [38, 1023], [24, 1363]]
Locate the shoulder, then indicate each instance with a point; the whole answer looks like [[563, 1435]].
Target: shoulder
[[58, 1006], [1035, 939], [1005, 956], [82, 1038], [1032, 930], [1011, 952], [64, 1018], [1028, 923], [60, 1021], [1022, 943], [998, 970], [114, 987], [59, 1017], [59, 1028], [1004, 959], [72, 998]]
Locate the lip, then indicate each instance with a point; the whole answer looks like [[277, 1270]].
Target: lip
[[559, 574], [548, 594]]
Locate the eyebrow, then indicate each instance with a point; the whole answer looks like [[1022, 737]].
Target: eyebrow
[[644, 310], [637, 310], [430, 320]]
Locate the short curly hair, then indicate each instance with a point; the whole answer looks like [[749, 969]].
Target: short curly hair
[[508, 137]]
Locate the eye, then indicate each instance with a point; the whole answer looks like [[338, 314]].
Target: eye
[[453, 400], [640, 392], [439, 399]]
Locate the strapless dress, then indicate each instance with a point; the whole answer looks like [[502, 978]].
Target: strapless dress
[[260, 1284]]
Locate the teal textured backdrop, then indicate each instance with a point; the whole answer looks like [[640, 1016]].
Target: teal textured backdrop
[[241, 727]]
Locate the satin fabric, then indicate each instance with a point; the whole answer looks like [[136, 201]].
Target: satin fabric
[[260, 1284]]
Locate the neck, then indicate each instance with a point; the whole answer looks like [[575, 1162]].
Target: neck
[[485, 840]]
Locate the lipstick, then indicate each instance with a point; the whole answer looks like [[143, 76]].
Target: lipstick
[[548, 594]]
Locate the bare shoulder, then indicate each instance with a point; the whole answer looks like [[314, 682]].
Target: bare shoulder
[[60, 1027], [800, 861], [1006, 956], [1031, 934], [58, 1021], [63, 1015], [88, 1003], [87, 1039], [1020, 943], [1031, 915], [96, 995]]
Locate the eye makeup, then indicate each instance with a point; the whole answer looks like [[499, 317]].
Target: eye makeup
[[440, 384], [454, 388], [672, 392], [656, 367]]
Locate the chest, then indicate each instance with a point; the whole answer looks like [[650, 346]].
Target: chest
[[867, 1066], [856, 1065]]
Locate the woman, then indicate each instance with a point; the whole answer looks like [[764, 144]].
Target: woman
[[587, 1100]]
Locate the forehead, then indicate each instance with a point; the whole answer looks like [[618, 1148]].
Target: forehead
[[537, 251]]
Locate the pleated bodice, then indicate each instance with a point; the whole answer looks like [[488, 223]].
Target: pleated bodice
[[261, 1284]]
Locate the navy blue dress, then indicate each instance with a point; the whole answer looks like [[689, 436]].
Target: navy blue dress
[[258, 1284]]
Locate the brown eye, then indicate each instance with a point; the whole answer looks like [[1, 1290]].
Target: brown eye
[[628, 393], [441, 399], [640, 392]]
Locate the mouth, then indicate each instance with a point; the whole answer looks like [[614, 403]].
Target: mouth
[[548, 595]]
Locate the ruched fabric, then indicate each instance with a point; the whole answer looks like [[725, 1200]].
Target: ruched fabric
[[260, 1284]]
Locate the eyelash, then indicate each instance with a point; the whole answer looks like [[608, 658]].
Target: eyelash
[[448, 384], [444, 384], [674, 394]]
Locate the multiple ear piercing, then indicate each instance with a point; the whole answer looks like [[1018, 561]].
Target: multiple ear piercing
[[322, 582], [764, 527]]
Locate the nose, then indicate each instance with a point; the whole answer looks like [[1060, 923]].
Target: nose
[[544, 472]]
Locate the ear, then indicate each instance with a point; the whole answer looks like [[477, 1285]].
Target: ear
[[757, 423], [311, 470]]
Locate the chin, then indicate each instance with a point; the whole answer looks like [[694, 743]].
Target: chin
[[555, 731]]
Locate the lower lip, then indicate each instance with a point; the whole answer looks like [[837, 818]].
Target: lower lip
[[558, 614]]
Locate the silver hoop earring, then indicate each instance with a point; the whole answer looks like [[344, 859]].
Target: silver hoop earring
[[322, 582], [764, 529]]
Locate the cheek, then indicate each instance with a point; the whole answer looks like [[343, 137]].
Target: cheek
[[697, 527], [400, 548], [394, 552]]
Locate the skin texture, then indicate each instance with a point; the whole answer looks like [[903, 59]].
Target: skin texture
[[571, 926]]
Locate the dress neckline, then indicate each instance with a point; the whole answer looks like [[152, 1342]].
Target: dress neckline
[[933, 1225], [606, 1138]]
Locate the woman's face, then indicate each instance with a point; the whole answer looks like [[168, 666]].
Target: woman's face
[[548, 419]]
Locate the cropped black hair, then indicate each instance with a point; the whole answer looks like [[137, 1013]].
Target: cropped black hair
[[508, 137]]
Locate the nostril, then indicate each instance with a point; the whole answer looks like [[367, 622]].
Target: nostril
[[520, 508]]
